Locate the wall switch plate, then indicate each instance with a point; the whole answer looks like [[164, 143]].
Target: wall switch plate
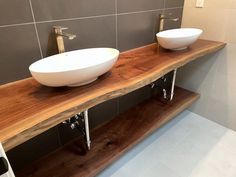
[[200, 3]]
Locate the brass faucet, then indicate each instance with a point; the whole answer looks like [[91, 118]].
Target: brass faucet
[[164, 17], [59, 37]]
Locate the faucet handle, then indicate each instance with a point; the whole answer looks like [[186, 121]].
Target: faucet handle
[[168, 17], [165, 15], [60, 28]]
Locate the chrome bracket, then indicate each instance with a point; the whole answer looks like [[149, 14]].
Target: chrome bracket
[[173, 85], [165, 95], [80, 121]]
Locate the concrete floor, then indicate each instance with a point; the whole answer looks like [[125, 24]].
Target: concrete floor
[[188, 146]]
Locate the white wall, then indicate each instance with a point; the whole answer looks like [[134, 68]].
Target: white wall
[[213, 76]]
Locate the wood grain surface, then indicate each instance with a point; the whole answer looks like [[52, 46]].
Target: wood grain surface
[[28, 108], [110, 140]]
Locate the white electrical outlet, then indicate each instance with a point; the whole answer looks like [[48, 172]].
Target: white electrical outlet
[[200, 3]]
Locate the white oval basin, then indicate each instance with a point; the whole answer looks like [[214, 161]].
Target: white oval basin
[[178, 39], [74, 68]]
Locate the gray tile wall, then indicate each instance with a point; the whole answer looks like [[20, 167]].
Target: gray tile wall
[[26, 36]]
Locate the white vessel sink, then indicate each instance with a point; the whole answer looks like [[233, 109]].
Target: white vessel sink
[[178, 39], [74, 68]]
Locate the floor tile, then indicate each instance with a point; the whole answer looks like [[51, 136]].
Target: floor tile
[[188, 146]]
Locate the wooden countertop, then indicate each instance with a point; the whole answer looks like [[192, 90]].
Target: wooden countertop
[[28, 108]]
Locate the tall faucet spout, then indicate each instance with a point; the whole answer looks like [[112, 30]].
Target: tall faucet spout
[[59, 37], [164, 17]]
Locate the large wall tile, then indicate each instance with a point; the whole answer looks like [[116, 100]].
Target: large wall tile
[[14, 12], [137, 29], [175, 13], [19, 48], [134, 98], [61, 9], [92, 32], [226, 66], [213, 28], [228, 4], [174, 3], [33, 149], [138, 5], [216, 82], [103, 112], [219, 4], [231, 26]]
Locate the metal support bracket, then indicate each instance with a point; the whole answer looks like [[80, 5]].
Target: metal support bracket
[[173, 85], [167, 96], [86, 123], [80, 121], [172, 93]]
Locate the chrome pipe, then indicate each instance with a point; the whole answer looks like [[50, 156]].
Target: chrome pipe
[[86, 122], [173, 85]]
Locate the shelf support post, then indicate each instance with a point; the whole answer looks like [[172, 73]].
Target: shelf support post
[[87, 134], [170, 96], [173, 85], [81, 122]]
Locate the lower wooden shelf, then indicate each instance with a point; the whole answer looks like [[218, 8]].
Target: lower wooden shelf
[[110, 140]]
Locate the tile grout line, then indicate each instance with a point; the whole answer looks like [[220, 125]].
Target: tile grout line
[[137, 12], [36, 30], [169, 8], [154, 10], [116, 12], [16, 24], [81, 18], [163, 11], [107, 15]]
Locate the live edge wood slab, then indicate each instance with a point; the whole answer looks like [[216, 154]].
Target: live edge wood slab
[[28, 108], [110, 140]]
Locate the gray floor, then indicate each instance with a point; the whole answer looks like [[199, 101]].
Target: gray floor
[[188, 146]]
